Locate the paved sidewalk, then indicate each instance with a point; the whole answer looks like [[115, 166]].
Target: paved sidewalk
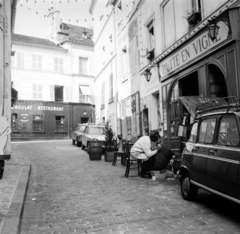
[[13, 188]]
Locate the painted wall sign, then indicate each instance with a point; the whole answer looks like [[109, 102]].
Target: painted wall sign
[[24, 118], [43, 108], [194, 49]]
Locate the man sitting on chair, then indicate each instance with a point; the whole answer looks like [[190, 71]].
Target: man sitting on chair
[[142, 150]]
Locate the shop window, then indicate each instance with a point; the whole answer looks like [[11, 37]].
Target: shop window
[[84, 94], [58, 64], [37, 91], [36, 61], [14, 122], [83, 64], [58, 92], [59, 123], [38, 123], [174, 114], [111, 88]]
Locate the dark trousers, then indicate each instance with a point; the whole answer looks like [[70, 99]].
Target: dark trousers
[[148, 165]]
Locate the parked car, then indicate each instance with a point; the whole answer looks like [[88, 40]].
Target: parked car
[[210, 159], [93, 132], [77, 134]]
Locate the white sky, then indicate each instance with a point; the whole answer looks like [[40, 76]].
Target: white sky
[[30, 18]]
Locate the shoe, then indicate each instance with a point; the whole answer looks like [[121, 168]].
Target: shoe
[[147, 176]]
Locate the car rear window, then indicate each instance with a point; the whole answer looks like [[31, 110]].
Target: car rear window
[[96, 130], [207, 129], [228, 133]]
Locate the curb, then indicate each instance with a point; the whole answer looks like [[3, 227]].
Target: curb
[[11, 225]]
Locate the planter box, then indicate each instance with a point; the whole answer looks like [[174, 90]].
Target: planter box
[[109, 156], [194, 18]]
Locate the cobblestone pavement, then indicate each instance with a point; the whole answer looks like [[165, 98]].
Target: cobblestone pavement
[[68, 193]]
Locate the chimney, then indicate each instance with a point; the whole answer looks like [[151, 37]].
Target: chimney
[[50, 24], [53, 25]]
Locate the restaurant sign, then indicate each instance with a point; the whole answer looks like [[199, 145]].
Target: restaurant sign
[[192, 50], [41, 108]]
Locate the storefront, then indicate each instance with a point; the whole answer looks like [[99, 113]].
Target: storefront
[[200, 67], [48, 120]]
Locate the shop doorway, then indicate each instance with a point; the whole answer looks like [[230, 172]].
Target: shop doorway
[[217, 83], [84, 120]]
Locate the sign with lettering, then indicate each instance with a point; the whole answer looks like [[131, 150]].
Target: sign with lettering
[[192, 50], [42, 108]]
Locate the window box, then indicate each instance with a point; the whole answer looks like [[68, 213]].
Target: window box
[[150, 54], [194, 18]]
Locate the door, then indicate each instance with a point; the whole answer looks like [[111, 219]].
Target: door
[[223, 161]]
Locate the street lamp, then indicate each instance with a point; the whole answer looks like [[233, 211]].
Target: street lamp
[[213, 29], [147, 73]]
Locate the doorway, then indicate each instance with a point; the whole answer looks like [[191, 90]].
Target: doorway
[[84, 120], [189, 85], [145, 122], [217, 83]]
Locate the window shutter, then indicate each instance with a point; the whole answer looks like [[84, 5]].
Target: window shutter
[[40, 62], [34, 88], [55, 64], [61, 64], [67, 94], [34, 60]]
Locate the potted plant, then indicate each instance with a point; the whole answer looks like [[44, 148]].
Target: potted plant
[[110, 147], [150, 54], [193, 17]]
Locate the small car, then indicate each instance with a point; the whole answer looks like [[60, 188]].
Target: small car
[[211, 157], [77, 134], [93, 132]]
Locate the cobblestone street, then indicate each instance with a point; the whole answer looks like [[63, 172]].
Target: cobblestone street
[[68, 193]]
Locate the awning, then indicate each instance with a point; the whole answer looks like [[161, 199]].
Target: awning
[[85, 90], [14, 96], [191, 102]]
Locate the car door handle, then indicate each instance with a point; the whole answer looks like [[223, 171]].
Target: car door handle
[[195, 149], [212, 151]]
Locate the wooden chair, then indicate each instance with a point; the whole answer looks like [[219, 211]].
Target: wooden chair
[[130, 162], [119, 153]]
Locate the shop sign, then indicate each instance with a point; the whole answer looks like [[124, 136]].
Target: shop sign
[[24, 118], [42, 108], [193, 50]]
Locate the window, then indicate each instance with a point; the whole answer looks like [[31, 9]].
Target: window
[[207, 129], [37, 123], [58, 93], [119, 13], [228, 131], [14, 122], [111, 44], [110, 87], [103, 94], [37, 92], [193, 135], [58, 64], [36, 62], [96, 130], [124, 64], [174, 115], [150, 36], [20, 59], [59, 123], [83, 63], [84, 94]]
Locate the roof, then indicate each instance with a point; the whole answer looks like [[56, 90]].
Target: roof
[[76, 34], [34, 41]]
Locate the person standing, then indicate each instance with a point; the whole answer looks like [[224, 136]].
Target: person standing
[[142, 149]]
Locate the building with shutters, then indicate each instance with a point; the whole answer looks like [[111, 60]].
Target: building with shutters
[[54, 78]]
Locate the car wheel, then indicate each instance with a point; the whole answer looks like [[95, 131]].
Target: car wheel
[[79, 144], [188, 190], [73, 142], [83, 147]]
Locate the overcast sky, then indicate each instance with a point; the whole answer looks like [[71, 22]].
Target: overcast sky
[[30, 18]]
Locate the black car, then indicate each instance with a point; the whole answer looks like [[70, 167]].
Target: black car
[[211, 157]]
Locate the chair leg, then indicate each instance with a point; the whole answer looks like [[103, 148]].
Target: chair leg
[[127, 168], [114, 160]]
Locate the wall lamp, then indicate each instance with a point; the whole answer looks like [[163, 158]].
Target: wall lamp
[[147, 73], [213, 28]]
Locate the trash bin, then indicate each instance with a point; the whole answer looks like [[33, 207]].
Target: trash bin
[[95, 150]]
